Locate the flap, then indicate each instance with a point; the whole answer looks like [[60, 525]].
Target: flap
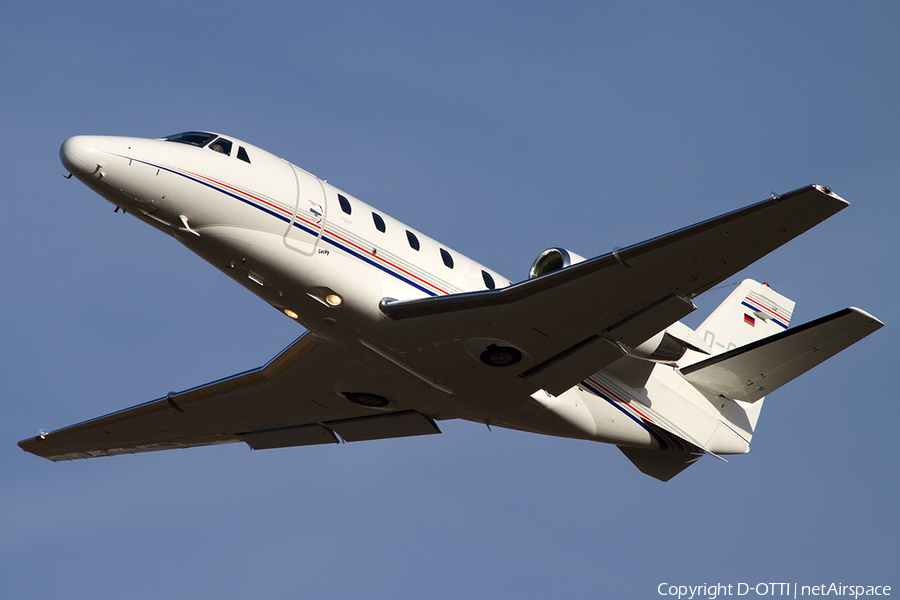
[[379, 427], [286, 437]]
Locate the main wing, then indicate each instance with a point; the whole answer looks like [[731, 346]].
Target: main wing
[[297, 399], [573, 322]]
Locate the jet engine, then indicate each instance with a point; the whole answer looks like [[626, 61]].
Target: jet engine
[[669, 345], [662, 347], [553, 259]]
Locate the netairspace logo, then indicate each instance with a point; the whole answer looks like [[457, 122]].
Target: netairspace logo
[[791, 590]]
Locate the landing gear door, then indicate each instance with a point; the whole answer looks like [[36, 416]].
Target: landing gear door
[[307, 224]]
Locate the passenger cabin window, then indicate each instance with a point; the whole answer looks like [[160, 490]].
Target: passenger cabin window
[[488, 280], [413, 240], [242, 154], [192, 138], [448, 260], [222, 146], [379, 222], [345, 204]]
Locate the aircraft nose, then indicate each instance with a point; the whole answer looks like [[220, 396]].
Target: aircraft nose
[[83, 154]]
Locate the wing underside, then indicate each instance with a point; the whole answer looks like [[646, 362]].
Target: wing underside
[[294, 400]]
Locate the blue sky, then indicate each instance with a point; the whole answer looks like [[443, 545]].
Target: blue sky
[[501, 129]]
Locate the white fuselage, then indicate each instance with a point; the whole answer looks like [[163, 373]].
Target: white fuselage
[[327, 260], [273, 227]]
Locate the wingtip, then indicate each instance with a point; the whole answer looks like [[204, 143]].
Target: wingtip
[[838, 203], [868, 315], [23, 444], [827, 191], [28, 445]]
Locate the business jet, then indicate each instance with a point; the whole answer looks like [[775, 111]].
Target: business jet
[[403, 332]]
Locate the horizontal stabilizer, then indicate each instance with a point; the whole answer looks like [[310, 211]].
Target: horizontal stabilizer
[[750, 372]]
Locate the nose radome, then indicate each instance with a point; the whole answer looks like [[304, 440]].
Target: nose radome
[[83, 153], [75, 152]]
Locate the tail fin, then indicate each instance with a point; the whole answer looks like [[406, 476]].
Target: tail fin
[[754, 354], [751, 312]]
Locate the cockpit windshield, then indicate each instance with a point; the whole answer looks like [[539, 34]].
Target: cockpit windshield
[[193, 138]]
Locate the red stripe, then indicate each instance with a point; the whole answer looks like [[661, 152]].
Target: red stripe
[[673, 440], [317, 226], [624, 402], [767, 309]]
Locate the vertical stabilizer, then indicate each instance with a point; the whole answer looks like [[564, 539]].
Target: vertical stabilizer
[[751, 312]]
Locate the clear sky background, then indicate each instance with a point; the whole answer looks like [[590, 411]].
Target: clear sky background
[[500, 129]]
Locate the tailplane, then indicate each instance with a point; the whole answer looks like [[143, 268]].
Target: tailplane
[[751, 371], [749, 353], [754, 353]]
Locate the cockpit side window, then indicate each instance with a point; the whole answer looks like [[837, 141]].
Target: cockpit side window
[[192, 138], [242, 154], [222, 146]]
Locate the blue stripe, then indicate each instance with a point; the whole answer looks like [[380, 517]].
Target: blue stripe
[[662, 444], [756, 309]]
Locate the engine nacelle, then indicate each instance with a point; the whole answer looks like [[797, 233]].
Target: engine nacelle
[[669, 345], [553, 259], [662, 347]]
